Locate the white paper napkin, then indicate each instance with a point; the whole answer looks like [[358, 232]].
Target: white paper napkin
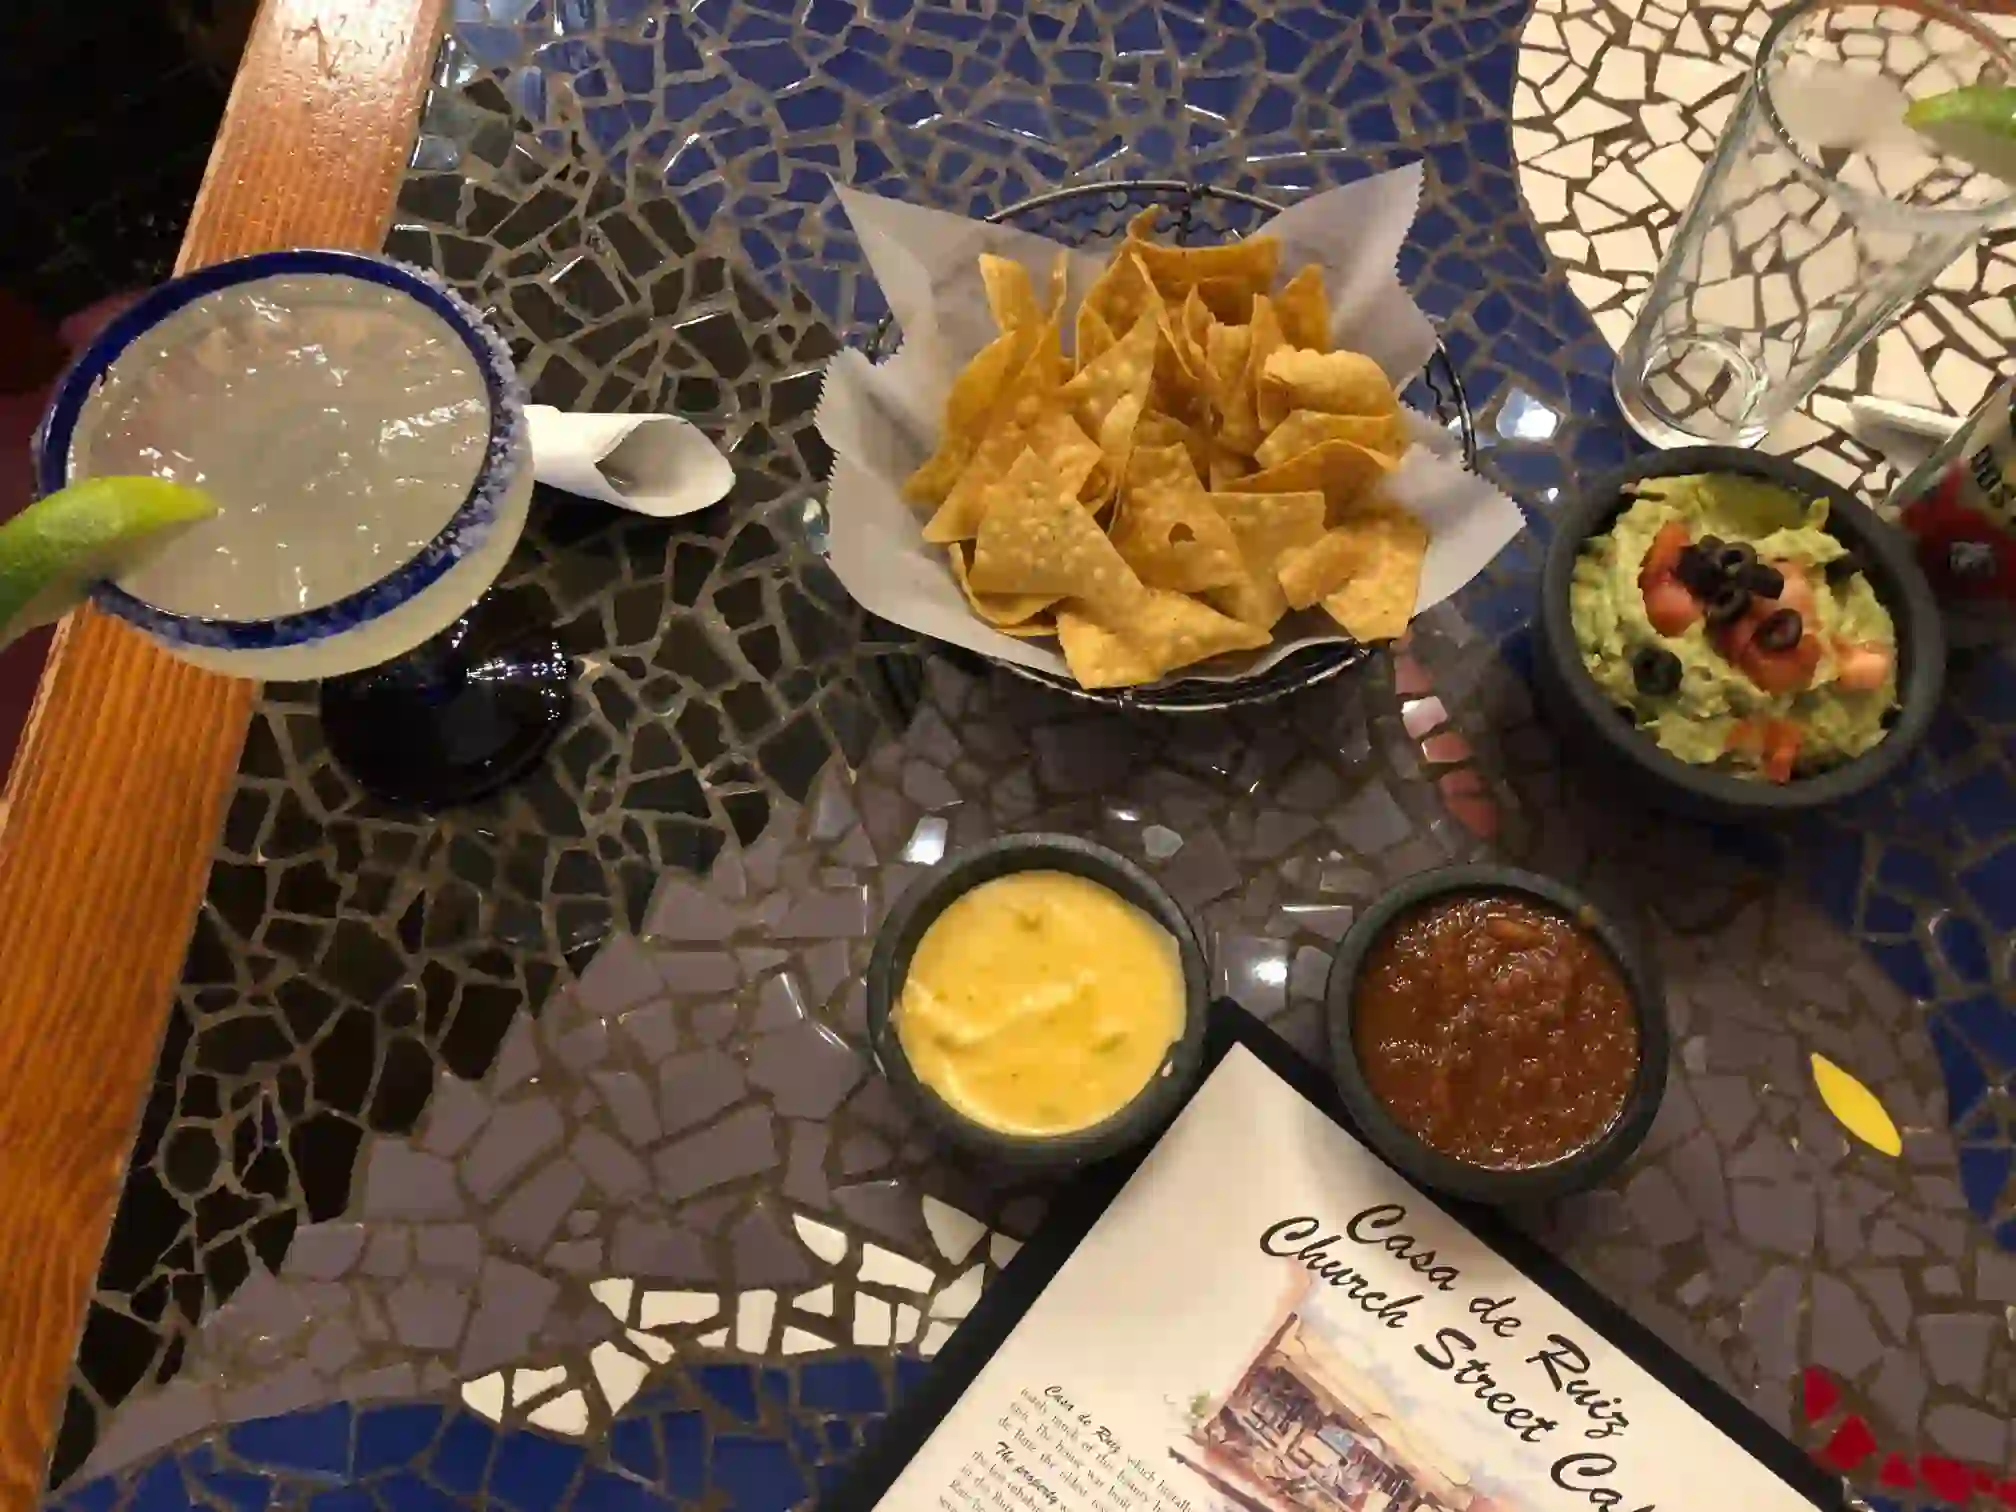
[[650, 464], [881, 421]]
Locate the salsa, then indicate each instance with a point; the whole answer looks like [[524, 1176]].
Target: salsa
[[1497, 1031]]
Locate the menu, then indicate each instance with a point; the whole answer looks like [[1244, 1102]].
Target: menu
[[1263, 1317]]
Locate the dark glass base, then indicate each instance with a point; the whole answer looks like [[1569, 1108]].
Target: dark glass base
[[460, 716]]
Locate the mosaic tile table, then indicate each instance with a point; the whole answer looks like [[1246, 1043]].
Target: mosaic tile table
[[530, 1155]]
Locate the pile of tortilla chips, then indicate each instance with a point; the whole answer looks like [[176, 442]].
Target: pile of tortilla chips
[[1203, 464]]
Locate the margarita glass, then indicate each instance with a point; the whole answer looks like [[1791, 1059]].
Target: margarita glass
[[362, 431]]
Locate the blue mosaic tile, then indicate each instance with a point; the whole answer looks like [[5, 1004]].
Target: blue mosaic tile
[[406, 1492], [1984, 1174], [389, 1436], [310, 1442], [1960, 944], [462, 1461], [161, 1489], [532, 1472], [633, 1444], [1966, 1083], [842, 1386], [733, 1386], [757, 1474], [1991, 883], [686, 1460]]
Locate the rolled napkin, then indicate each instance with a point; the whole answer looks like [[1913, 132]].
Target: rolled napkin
[[649, 464]]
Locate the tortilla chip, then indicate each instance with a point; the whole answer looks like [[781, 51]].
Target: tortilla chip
[[1033, 629], [1265, 526], [1120, 296], [1018, 416], [1174, 538], [1337, 383], [1308, 573], [1224, 466], [1305, 310], [1101, 658], [1225, 382], [1161, 469], [1036, 538], [1010, 296], [1001, 610], [1378, 601], [1095, 337], [1101, 388], [971, 401], [1156, 429], [1176, 631], [1229, 300], [1304, 429], [1343, 470], [1268, 338], [1075, 456], [958, 518], [1060, 284], [1249, 264]]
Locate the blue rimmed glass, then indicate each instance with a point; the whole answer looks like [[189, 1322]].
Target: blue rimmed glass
[[416, 600], [434, 690]]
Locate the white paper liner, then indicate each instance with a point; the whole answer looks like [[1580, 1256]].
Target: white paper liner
[[882, 421]]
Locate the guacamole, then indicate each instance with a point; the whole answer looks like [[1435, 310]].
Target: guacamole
[[1720, 614]]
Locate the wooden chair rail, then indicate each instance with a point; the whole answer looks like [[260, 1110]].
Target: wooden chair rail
[[112, 809]]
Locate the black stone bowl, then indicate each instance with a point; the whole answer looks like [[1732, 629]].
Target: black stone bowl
[[917, 909], [1594, 725], [1429, 1167]]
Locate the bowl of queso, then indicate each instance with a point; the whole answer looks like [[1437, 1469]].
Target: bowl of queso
[[1040, 1000], [1494, 1036]]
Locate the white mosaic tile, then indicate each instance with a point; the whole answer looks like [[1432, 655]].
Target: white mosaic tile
[[618, 1372], [957, 1300], [655, 1348], [527, 1384], [819, 1300], [662, 1309], [934, 1339], [754, 1312], [797, 1341], [614, 1293], [873, 1320], [828, 1243], [485, 1395], [886, 1268], [566, 1413], [954, 1232]]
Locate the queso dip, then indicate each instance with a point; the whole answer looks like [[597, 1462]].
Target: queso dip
[[1040, 1003]]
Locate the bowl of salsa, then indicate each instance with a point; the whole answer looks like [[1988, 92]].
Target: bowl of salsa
[[1039, 1000], [1495, 1036]]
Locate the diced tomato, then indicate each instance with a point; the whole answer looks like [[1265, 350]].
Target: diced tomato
[[1781, 749], [1860, 667], [1668, 604], [1772, 743], [1773, 671]]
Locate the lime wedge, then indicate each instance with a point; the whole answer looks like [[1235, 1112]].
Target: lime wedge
[[53, 550], [1976, 123]]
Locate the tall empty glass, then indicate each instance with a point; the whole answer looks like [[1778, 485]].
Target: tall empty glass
[[1820, 214]]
